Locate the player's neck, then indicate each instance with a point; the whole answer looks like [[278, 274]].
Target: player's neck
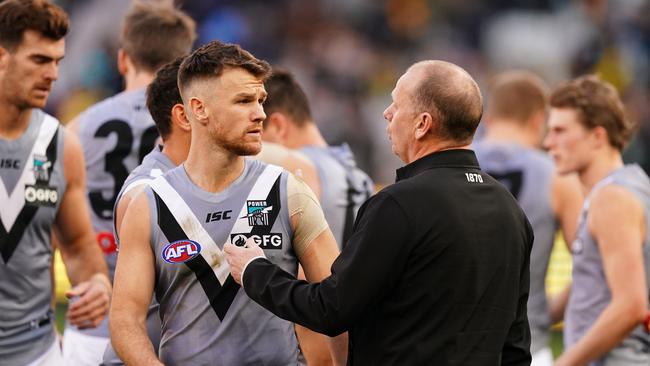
[[211, 169], [13, 120], [137, 80], [509, 132], [307, 135], [175, 150], [600, 167]]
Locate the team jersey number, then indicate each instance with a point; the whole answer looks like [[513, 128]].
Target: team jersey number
[[355, 196], [114, 161], [513, 180]]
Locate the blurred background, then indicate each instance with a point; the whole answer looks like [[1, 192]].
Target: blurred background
[[348, 53]]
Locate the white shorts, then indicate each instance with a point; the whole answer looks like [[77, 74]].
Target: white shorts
[[82, 350], [52, 357], [543, 357]]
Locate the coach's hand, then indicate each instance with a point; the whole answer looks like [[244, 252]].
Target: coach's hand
[[239, 257], [89, 302]]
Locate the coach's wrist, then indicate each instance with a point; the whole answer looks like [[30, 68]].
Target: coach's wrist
[[246, 266]]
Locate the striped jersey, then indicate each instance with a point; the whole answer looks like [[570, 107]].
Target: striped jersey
[[206, 317], [153, 165], [32, 184], [589, 291]]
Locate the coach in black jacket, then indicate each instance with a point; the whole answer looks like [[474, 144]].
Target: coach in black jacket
[[436, 271]]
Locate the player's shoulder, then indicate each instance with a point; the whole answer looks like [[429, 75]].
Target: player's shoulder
[[540, 158], [111, 107], [611, 195], [512, 152]]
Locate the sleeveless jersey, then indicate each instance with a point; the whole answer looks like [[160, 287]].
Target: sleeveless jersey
[[528, 174], [206, 317], [344, 187], [589, 291], [32, 184], [116, 134], [153, 165]]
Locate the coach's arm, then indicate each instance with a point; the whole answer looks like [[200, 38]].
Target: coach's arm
[[367, 269], [133, 287]]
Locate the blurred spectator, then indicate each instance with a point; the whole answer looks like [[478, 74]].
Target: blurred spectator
[[347, 53]]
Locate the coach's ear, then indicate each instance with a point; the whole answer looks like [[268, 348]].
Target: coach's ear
[[179, 119], [423, 125]]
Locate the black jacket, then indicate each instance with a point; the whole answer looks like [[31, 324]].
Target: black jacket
[[435, 273]]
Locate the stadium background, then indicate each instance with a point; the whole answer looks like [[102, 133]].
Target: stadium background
[[348, 54]]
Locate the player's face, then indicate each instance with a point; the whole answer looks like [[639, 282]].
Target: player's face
[[400, 115], [569, 143], [28, 72], [236, 112]]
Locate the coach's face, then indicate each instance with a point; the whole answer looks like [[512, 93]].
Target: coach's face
[[569, 143], [28, 72], [401, 115], [235, 112]]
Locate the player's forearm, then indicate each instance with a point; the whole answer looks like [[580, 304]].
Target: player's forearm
[[339, 349], [83, 260], [130, 340], [557, 304], [609, 330]]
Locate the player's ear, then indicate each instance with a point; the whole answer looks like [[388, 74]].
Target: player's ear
[[537, 126], [600, 136], [199, 110], [122, 62], [275, 127], [179, 119], [4, 56]]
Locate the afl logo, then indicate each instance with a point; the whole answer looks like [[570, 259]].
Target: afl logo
[[181, 251]]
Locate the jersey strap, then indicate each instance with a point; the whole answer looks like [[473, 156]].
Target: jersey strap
[[178, 222]]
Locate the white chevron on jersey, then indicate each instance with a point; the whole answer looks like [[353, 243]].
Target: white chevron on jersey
[[195, 231], [16, 200]]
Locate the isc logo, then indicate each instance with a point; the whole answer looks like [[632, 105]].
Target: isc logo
[[218, 215], [181, 251], [41, 196], [9, 164]]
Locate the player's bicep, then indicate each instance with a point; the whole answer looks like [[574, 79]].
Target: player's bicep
[[72, 223], [615, 220], [134, 273], [317, 259], [313, 241], [123, 203]]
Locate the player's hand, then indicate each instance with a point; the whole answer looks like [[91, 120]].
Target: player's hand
[[89, 302], [239, 257]]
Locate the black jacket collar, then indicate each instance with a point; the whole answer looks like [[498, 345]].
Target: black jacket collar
[[445, 158]]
